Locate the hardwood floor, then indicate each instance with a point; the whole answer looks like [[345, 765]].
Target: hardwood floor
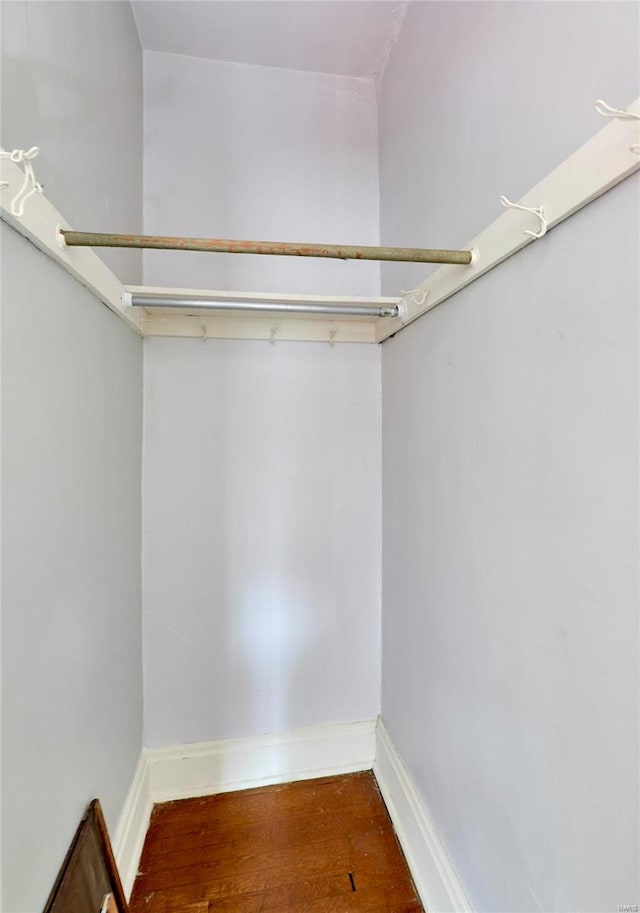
[[316, 846]]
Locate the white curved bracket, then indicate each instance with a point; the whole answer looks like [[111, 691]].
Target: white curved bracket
[[29, 184], [539, 212], [605, 110], [417, 295]]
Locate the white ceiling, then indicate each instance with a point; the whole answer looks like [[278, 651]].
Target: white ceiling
[[323, 36]]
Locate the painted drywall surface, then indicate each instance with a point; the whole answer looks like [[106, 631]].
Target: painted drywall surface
[[322, 37], [71, 579], [510, 616], [71, 455], [261, 537], [511, 93], [510, 572], [72, 85], [258, 153]]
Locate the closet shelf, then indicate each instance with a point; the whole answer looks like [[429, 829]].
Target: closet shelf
[[211, 313], [609, 157]]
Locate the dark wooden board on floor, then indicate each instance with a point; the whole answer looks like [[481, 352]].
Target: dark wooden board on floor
[[88, 875], [315, 846]]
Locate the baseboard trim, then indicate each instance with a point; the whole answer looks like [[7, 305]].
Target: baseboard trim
[[434, 876], [206, 768], [133, 825]]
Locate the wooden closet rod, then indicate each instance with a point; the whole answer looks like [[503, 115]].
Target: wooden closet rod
[[272, 248]]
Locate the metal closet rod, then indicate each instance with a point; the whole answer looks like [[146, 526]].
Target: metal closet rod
[[271, 248], [350, 310]]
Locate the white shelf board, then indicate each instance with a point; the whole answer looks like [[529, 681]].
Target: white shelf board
[[40, 224], [211, 324], [208, 323], [267, 297]]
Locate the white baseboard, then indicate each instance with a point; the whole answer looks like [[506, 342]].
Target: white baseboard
[[133, 825], [433, 874], [206, 768]]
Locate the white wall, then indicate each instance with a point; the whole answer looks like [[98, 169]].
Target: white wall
[[512, 89], [261, 537], [262, 480], [510, 461], [259, 153], [72, 85], [71, 448], [71, 607]]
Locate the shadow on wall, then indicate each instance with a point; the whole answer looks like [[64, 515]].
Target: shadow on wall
[[276, 637], [261, 538]]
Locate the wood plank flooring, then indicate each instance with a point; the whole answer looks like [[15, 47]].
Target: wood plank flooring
[[316, 846]]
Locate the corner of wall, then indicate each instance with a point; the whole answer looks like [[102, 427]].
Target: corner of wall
[[133, 825], [434, 876]]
